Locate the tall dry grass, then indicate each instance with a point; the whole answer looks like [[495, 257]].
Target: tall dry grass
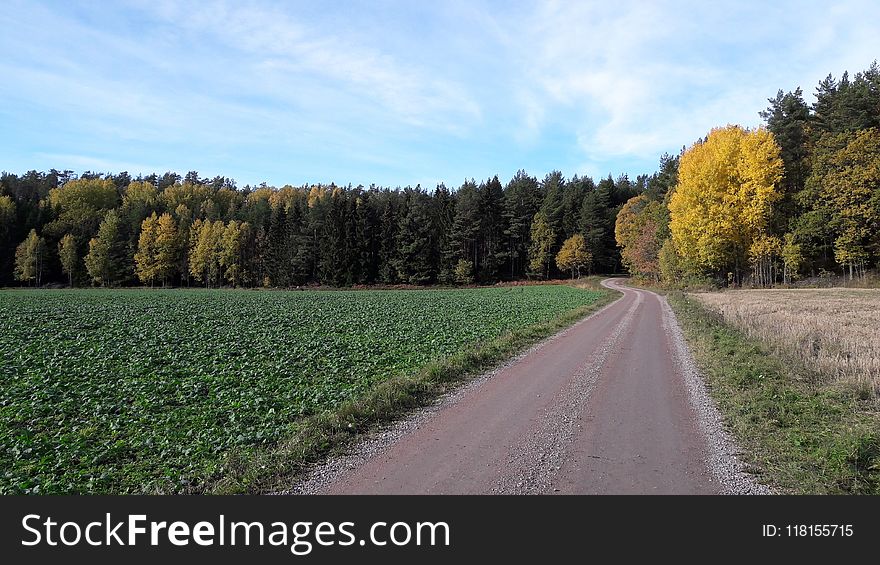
[[835, 331]]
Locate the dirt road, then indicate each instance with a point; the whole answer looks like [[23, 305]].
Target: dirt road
[[602, 408]]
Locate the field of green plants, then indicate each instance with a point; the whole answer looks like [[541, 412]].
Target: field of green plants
[[145, 391]]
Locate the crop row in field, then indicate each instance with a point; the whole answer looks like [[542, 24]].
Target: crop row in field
[[145, 391]]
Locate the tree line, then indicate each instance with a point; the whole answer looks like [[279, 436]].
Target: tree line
[[799, 196], [114, 230]]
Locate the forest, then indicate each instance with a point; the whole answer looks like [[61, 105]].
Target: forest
[[798, 197], [113, 230]]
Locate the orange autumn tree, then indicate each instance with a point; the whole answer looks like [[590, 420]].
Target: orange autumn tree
[[639, 232]]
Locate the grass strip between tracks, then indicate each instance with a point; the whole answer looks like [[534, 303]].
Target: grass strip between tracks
[[800, 433], [273, 469]]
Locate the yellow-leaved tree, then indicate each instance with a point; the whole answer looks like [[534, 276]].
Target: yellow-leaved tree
[[723, 202], [206, 246], [846, 181], [231, 248], [542, 236], [574, 255], [145, 257], [167, 247]]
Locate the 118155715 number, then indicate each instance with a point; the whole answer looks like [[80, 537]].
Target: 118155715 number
[[807, 530]]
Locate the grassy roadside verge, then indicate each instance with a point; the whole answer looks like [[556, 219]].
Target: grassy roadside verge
[[268, 470], [800, 434]]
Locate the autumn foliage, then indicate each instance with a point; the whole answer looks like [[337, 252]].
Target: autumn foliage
[[724, 198], [574, 256], [639, 231]]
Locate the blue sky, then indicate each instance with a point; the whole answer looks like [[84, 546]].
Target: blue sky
[[398, 93]]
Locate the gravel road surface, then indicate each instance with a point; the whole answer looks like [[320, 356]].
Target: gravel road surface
[[612, 405]]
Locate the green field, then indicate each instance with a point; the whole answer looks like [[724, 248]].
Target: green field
[[148, 391]]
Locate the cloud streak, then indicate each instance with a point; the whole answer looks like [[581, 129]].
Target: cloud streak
[[399, 92]]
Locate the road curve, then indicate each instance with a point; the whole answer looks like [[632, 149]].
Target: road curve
[[601, 408]]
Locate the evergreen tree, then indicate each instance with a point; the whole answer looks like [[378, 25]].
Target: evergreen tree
[[572, 199], [413, 261], [278, 268], [491, 229], [332, 262], [788, 118], [661, 183], [553, 206], [368, 240], [8, 228], [442, 217], [300, 243], [522, 199], [388, 241], [595, 225], [462, 240]]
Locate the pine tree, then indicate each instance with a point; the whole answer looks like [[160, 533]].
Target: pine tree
[[491, 232], [331, 265], [788, 119], [442, 217], [522, 199], [278, 267], [368, 232], [462, 239], [388, 244], [823, 116], [8, 226], [573, 195], [553, 206], [300, 243], [413, 263], [595, 225]]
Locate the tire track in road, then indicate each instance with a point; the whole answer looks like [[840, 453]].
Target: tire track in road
[[532, 464]]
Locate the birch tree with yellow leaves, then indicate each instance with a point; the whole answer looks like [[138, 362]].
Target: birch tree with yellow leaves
[[724, 198]]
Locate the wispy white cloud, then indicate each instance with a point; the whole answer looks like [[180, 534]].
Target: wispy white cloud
[[401, 92], [280, 52], [82, 163], [636, 79]]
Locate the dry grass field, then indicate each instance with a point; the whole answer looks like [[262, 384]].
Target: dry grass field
[[835, 331]]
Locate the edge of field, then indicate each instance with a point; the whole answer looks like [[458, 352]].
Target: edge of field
[[799, 432], [267, 469]]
